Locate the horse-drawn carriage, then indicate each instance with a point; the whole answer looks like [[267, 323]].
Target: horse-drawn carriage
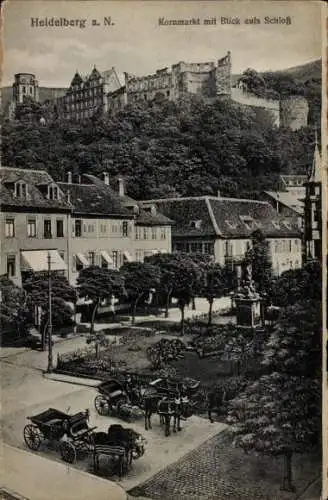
[[74, 437], [116, 398], [71, 432]]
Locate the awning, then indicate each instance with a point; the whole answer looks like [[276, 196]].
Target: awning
[[82, 259], [107, 258], [37, 260], [127, 256]]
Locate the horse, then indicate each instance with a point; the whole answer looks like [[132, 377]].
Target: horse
[[178, 407]]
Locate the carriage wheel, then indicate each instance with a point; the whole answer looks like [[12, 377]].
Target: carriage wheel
[[32, 436], [102, 405], [68, 452]]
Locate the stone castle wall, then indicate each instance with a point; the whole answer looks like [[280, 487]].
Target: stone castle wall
[[247, 99], [294, 112], [223, 77]]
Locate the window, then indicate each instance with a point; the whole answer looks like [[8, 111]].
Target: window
[[91, 258], [11, 265], [125, 229], [209, 248], [60, 228], [24, 89], [20, 190], [53, 193], [103, 228], [138, 233], [153, 233], [47, 229], [10, 228], [163, 233], [31, 228], [290, 245], [91, 228], [62, 255], [78, 228], [115, 258], [145, 233]]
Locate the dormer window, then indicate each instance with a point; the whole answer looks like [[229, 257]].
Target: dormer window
[[248, 221], [230, 224], [151, 209], [195, 224], [20, 189], [53, 192], [287, 224]]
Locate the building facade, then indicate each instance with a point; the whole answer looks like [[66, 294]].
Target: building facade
[[222, 227], [87, 96], [313, 210], [80, 223], [34, 220]]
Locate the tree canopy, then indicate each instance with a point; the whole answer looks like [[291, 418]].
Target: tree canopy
[[165, 148]]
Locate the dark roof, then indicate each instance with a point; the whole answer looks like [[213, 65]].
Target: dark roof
[[185, 210], [34, 179], [224, 217], [94, 200], [143, 217]]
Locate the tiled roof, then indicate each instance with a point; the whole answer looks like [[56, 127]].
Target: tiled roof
[[94, 199], [185, 210], [34, 180], [225, 217], [288, 199], [143, 217]]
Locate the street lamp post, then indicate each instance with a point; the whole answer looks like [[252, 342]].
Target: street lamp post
[[50, 357]]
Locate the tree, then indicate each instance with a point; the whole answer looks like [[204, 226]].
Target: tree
[[140, 278], [278, 415], [259, 258], [36, 286], [185, 275], [97, 284], [13, 310], [298, 284], [214, 286]]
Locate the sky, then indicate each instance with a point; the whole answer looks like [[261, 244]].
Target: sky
[[137, 44]]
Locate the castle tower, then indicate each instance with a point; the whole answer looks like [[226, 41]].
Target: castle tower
[[223, 79], [294, 112], [25, 86], [312, 209]]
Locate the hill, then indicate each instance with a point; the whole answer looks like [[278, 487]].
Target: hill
[[165, 148]]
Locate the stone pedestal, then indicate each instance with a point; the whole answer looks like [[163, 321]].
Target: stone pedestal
[[249, 312]]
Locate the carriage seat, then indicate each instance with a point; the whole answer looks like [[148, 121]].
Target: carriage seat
[[77, 425]]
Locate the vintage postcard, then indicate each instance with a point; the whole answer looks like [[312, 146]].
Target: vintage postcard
[[163, 250]]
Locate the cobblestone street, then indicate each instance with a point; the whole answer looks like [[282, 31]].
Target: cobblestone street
[[216, 470]]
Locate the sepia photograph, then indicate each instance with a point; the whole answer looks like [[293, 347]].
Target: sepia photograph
[[163, 250]]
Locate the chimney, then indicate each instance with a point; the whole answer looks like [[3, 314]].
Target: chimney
[[68, 196], [121, 186], [106, 178], [69, 177]]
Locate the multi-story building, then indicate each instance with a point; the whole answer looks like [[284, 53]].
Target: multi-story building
[[34, 220], [87, 95], [109, 228], [222, 227], [313, 210], [80, 223]]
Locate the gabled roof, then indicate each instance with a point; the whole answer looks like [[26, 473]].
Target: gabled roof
[[77, 79], [288, 199], [224, 217], [34, 179], [94, 199]]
